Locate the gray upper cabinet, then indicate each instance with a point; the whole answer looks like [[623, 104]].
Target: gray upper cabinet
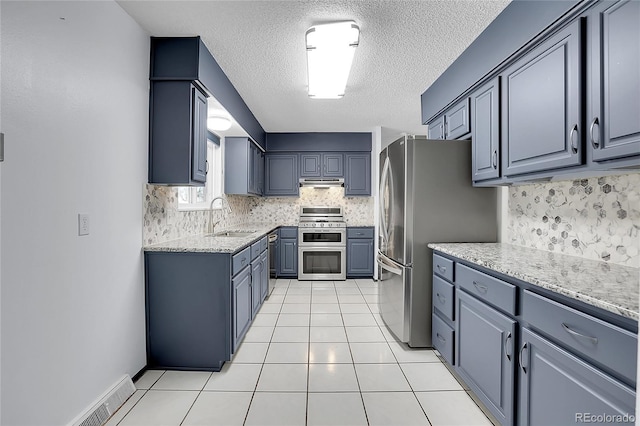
[[453, 124], [541, 101], [357, 180], [311, 164], [177, 134], [315, 164], [436, 129], [546, 370], [614, 67], [485, 131], [244, 168], [281, 174]]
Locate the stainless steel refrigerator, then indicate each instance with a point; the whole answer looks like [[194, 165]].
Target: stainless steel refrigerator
[[425, 197]]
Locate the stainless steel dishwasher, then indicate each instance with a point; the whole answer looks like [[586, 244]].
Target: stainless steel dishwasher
[[273, 249]]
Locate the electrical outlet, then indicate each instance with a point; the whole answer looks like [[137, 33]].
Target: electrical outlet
[[83, 224]]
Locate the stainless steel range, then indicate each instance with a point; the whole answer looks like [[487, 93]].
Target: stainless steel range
[[322, 243]]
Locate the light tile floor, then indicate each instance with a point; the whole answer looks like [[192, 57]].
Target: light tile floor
[[317, 353]]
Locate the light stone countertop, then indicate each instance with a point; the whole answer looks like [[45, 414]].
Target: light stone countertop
[[608, 286], [210, 244]]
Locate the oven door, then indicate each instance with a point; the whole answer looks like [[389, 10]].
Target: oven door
[[322, 263]]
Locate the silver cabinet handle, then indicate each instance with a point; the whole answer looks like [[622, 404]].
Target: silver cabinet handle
[[442, 339], [508, 349], [442, 269], [442, 299], [522, 349], [206, 169], [574, 145], [481, 288], [568, 329], [442, 130], [594, 143], [495, 159], [243, 261]]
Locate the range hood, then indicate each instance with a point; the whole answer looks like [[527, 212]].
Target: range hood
[[322, 182]]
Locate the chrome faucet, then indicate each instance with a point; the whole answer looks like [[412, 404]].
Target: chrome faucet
[[212, 226]]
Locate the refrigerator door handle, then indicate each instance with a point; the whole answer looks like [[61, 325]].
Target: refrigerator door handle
[[388, 266], [383, 181]]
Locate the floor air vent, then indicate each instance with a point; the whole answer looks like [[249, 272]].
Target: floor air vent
[[100, 412]]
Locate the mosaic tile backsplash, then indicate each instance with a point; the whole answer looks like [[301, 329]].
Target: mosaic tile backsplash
[[595, 218], [163, 221]]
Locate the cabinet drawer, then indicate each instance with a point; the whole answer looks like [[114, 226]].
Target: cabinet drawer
[[442, 338], [240, 260], [496, 292], [255, 250], [443, 296], [289, 232], [263, 244], [604, 343], [443, 267], [359, 233]]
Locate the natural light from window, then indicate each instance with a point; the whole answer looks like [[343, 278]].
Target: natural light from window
[[199, 198]]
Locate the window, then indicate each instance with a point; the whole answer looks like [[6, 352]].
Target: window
[[199, 198]]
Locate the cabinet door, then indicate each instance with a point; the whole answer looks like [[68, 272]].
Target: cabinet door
[[252, 166], [614, 123], [556, 387], [310, 165], [456, 120], [332, 165], [288, 257], [256, 286], [358, 174], [485, 130], [241, 305], [541, 101], [199, 147], [360, 258], [484, 357], [281, 174], [261, 173], [436, 129], [264, 275]]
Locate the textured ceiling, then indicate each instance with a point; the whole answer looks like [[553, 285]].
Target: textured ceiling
[[404, 47]]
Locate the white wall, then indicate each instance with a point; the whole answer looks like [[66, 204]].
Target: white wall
[[75, 118]]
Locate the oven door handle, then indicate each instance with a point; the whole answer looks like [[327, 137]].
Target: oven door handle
[[388, 266]]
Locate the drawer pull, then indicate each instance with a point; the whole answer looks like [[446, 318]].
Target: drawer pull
[[441, 298], [442, 339], [593, 340], [522, 349], [442, 269], [481, 288], [508, 346]]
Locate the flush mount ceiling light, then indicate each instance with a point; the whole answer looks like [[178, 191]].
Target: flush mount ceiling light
[[218, 123], [330, 49]]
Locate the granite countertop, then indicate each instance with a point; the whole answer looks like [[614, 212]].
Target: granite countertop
[[605, 285], [212, 244]]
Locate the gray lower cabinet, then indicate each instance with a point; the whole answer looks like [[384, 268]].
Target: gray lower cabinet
[[614, 67], [484, 357], [288, 252], [189, 310], [242, 306], [199, 306], [558, 388], [541, 106], [243, 169], [485, 131], [357, 179], [360, 262], [177, 134], [281, 174]]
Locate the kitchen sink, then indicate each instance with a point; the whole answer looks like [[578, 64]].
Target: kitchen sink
[[232, 234]]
